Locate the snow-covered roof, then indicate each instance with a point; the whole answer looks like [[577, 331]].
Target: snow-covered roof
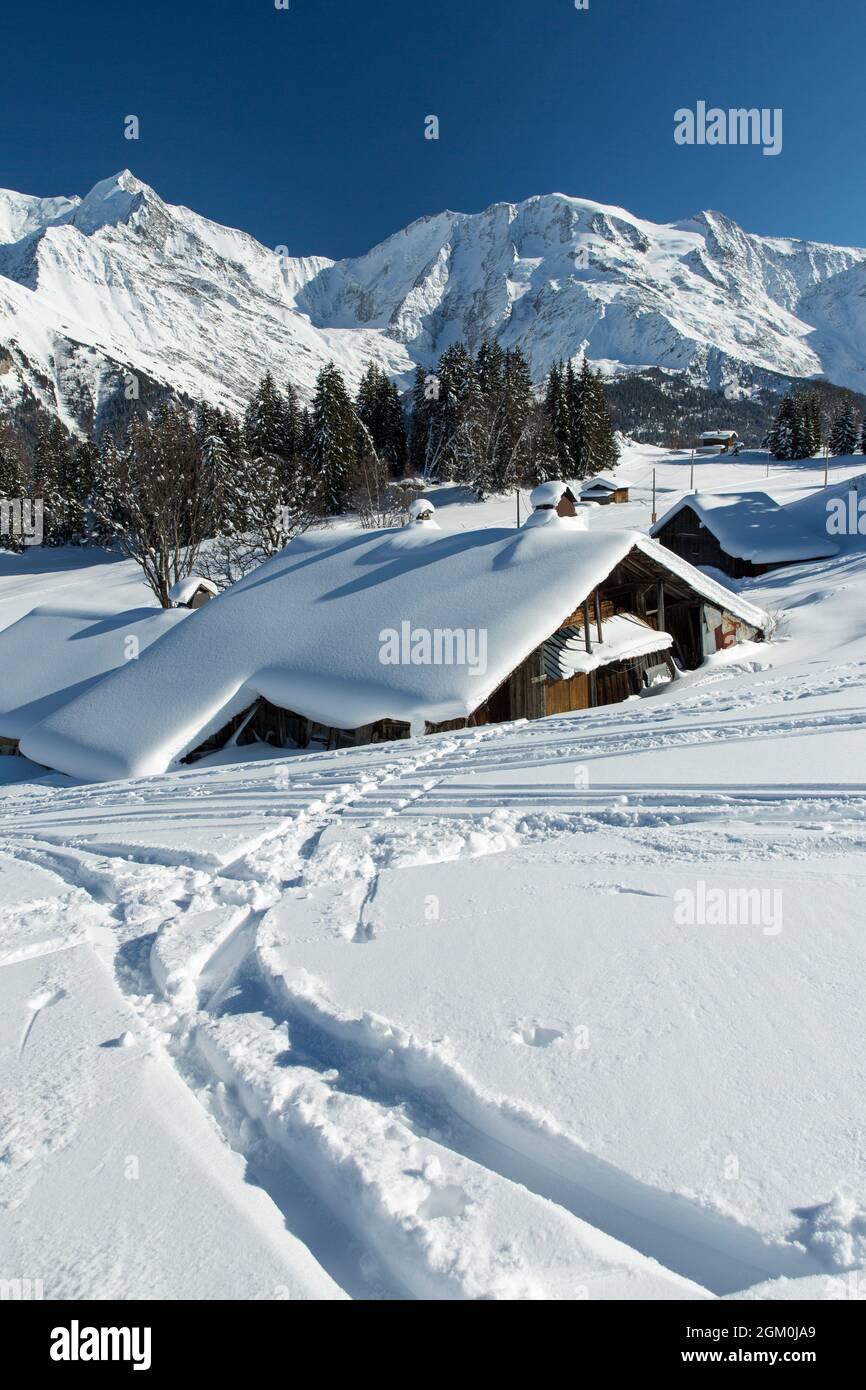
[[312, 628], [718, 434], [624, 635], [549, 494], [53, 654], [549, 516], [422, 506], [186, 589], [751, 526], [604, 482], [818, 512]]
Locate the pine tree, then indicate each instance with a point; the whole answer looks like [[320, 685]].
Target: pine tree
[[223, 451], [51, 476], [581, 421], [458, 398], [844, 430], [780, 436], [556, 407], [606, 449], [805, 425], [378, 407], [490, 368], [814, 423], [77, 484], [268, 422], [394, 447], [519, 401], [427, 425], [334, 442], [12, 486]]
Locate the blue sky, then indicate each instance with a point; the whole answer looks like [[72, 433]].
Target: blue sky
[[306, 126]]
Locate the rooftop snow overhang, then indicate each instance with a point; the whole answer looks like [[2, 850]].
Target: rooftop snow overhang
[[761, 533], [624, 636], [505, 591]]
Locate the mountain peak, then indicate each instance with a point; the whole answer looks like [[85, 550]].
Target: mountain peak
[[122, 280], [111, 201]]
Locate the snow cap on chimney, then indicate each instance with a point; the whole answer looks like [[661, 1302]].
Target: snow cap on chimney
[[548, 494], [422, 510]]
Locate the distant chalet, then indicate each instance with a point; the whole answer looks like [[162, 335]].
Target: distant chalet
[[743, 535], [605, 489], [718, 442], [348, 638]]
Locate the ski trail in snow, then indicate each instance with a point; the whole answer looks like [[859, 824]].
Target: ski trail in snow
[[333, 1091], [379, 1061]]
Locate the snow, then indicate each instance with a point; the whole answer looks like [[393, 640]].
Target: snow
[[421, 507], [120, 280], [57, 653], [547, 494], [754, 527], [622, 636], [549, 517], [347, 657], [426, 1019], [605, 482], [186, 589]]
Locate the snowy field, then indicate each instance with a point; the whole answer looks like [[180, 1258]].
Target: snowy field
[[469, 1016]]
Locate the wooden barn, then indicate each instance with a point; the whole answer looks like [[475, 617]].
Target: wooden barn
[[605, 489], [192, 592], [741, 535], [349, 637], [718, 442]]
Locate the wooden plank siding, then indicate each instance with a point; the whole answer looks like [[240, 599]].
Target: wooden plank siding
[[686, 535]]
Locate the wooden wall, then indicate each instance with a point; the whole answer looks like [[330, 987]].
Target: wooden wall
[[686, 536]]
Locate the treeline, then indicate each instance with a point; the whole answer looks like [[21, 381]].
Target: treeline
[[671, 411], [478, 420], [804, 425], [197, 488], [181, 478]]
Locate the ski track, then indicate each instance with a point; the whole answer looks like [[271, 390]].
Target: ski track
[[324, 1092]]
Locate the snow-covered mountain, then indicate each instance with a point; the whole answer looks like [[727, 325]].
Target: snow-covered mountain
[[118, 281]]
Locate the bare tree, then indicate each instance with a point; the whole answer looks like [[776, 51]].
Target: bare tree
[[152, 500], [372, 494]]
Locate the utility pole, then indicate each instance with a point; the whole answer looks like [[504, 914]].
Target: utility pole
[[518, 509], [654, 516], [692, 477]]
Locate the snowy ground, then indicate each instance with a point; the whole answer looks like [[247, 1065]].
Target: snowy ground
[[429, 1019]]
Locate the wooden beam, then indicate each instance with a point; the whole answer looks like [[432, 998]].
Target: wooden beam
[[660, 605], [586, 637], [598, 617]]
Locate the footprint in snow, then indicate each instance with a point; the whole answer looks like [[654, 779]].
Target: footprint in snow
[[447, 1201], [535, 1035]]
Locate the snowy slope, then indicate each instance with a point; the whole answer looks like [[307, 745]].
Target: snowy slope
[[420, 1019], [121, 280]]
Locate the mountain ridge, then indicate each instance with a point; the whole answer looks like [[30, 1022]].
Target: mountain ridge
[[119, 282]]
